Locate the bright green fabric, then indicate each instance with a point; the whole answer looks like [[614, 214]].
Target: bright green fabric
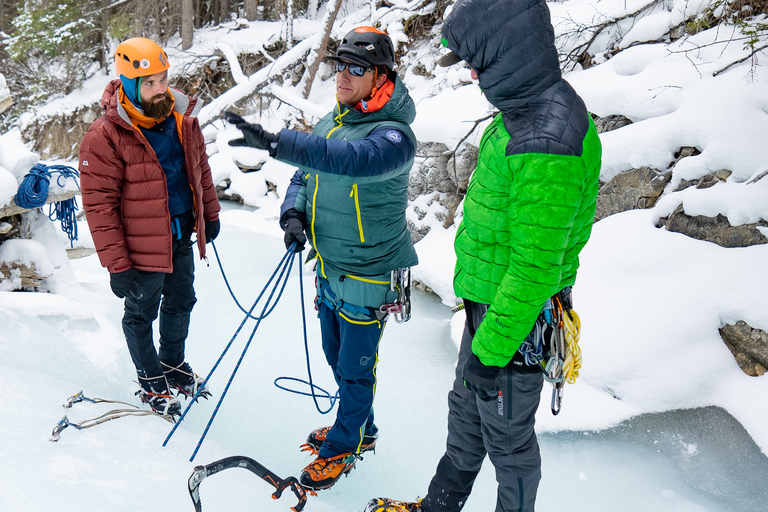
[[526, 217]]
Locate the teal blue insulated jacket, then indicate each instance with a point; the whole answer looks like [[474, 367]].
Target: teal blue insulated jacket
[[352, 186]]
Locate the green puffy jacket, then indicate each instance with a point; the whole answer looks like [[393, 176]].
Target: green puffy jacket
[[530, 203], [526, 217]]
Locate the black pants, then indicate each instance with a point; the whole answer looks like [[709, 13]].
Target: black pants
[[503, 429], [173, 294]]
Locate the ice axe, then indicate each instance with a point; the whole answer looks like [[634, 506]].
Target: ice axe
[[254, 467]]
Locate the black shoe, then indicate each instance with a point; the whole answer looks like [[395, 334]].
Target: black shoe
[[183, 379], [317, 437], [154, 391]]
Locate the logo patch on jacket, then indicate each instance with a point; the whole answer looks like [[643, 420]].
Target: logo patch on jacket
[[394, 136]]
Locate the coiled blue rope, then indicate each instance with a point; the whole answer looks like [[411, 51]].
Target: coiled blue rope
[[312, 386], [33, 193]]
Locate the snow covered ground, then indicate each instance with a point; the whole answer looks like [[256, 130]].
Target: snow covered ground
[[638, 429]]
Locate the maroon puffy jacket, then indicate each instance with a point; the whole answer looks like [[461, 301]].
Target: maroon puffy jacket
[[124, 191]]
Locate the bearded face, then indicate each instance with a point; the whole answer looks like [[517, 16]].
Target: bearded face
[[158, 107]]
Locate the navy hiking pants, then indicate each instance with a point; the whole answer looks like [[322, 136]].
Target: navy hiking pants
[[502, 429], [173, 294], [351, 348]]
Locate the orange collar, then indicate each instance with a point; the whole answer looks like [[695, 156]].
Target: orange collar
[[137, 117], [378, 99]]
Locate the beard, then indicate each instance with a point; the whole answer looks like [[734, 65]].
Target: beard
[[158, 109]]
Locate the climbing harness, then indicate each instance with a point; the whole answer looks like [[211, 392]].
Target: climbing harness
[[33, 193], [553, 345], [111, 415], [254, 467], [326, 296], [283, 269], [400, 282]]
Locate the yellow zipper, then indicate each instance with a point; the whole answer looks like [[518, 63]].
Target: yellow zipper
[[337, 119], [314, 239], [353, 193]]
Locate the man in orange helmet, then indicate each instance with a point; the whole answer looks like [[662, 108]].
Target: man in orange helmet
[[146, 186]]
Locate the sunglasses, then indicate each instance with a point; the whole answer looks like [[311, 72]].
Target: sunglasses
[[354, 69]]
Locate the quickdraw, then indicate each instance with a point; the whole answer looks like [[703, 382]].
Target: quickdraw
[[554, 345], [400, 282], [110, 415], [254, 467]]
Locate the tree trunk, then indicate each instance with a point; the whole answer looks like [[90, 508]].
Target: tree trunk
[[224, 11], [316, 55], [187, 23], [289, 24], [312, 9], [251, 10], [103, 22]]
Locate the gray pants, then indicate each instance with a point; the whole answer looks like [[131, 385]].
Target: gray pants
[[501, 428]]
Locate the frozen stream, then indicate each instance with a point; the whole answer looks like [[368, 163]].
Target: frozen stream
[[51, 346]]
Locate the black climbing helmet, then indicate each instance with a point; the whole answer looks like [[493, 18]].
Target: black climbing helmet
[[367, 46]]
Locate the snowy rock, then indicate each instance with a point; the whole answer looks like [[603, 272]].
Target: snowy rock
[[5, 95], [430, 172], [60, 136], [8, 186], [638, 188], [609, 123], [14, 155], [748, 345], [705, 181], [714, 229], [446, 175], [23, 265]]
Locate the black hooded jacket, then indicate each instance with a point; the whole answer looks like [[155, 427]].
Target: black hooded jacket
[[510, 45]]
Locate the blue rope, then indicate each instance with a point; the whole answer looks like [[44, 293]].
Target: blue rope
[[332, 399], [33, 193], [324, 393], [285, 264]]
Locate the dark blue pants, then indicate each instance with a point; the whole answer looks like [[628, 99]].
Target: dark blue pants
[[174, 295], [351, 348]]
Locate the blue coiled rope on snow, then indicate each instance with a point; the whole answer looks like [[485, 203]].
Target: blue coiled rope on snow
[[33, 193]]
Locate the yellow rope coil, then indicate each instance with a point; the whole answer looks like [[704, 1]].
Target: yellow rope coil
[[572, 363]]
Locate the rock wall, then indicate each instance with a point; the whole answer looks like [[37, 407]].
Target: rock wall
[[60, 137]]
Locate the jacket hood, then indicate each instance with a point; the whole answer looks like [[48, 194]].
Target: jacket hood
[[509, 43], [400, 107], [183, 104]]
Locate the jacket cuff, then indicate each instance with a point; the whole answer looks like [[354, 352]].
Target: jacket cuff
[[293, 213]]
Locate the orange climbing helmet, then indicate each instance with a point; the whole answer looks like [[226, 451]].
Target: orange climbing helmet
[[138, 56]]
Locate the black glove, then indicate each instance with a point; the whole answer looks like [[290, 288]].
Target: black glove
[[253, 134], [481, 378], [294, 230], [212, 228], [125, 284]]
